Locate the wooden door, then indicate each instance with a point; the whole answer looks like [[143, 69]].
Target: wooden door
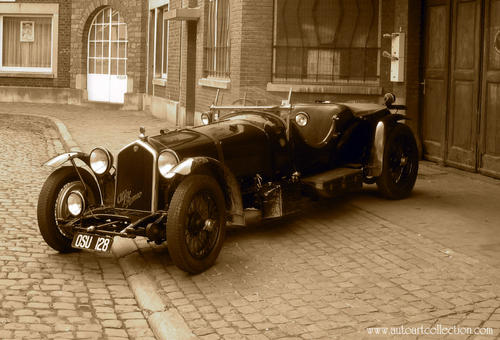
[[463, 105], [490, 105], [435, 89]]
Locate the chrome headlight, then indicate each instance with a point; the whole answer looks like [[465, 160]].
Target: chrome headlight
[[76, 203], [205, 118], [302, 119], [166, 161], [100, 161]]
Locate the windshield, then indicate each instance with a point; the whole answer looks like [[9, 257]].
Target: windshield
[[252, 96], [251, 116], [254, 105]]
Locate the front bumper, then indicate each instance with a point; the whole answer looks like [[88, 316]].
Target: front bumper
[[109, 221]]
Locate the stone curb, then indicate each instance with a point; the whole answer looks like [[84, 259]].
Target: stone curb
[[164, 322], [68, 143]]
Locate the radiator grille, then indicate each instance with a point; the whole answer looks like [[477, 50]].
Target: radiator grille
[[134, 178]]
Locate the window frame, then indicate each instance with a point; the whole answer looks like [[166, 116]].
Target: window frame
[[31, 10], [226, 74], [276, 82], [165, 39], [109, 58]]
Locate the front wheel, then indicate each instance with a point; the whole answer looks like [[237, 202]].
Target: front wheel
[[52, 210], [196, 223], [400, 164]]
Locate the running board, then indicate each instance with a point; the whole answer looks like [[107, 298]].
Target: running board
[[336, 181]]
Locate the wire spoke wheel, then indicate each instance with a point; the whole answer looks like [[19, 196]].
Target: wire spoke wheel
[[202, 226], [196, 223], [400, 165]]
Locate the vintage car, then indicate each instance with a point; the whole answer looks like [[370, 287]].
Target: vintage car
[[187, 185]]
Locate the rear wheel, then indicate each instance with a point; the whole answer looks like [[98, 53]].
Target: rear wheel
[[52, 207], [196, 223], [400, 165]]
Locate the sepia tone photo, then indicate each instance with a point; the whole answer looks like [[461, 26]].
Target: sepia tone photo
[[236, 169]]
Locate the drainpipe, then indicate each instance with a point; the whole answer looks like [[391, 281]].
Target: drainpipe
[[148, 50], [180, 66]]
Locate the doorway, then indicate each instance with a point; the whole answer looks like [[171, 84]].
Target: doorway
[[461, 84], [107, 57]]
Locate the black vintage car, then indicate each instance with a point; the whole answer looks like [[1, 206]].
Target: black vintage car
[[185, 186]]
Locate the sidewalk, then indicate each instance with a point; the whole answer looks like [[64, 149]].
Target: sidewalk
[[91, 127], [340, 267]]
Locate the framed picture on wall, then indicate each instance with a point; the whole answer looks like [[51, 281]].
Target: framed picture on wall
[[27, 31]]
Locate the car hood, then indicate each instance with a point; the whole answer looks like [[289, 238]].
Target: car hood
[[204, 140], [185, 143]]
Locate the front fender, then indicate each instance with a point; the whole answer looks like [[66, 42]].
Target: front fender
[[382, 130], [59, 160], [224, 177]]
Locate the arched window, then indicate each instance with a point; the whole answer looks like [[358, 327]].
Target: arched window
[[107, 57], [218, 47], [107, 50]]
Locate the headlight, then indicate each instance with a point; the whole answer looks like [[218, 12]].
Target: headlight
[[100, 161], [166, 161], [302, 119], [76, 203], [205, 118]]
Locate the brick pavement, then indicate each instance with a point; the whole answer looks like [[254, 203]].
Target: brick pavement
[[45, 295], [328, 273]]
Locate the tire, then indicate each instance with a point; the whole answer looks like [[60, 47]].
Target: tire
[[400, 165], [49, 198], [194, 243]]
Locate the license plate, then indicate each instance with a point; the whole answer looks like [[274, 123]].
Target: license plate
[[92, 242]]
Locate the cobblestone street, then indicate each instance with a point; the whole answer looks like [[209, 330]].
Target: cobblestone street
[[44, 294], [332, 271]]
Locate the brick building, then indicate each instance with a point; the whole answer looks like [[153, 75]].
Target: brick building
[[171, 56], [241, 46], [322, 49]]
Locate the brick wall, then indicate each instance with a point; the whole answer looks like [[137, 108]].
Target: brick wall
[[205, 94], [256, 46], [171, 89], [63, 53], [251, 31], [411, 23], [179, 48]]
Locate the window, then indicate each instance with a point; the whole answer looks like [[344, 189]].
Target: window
[[108, 44], [218, 47], [162, 31], [326, 41], [26, 43]]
